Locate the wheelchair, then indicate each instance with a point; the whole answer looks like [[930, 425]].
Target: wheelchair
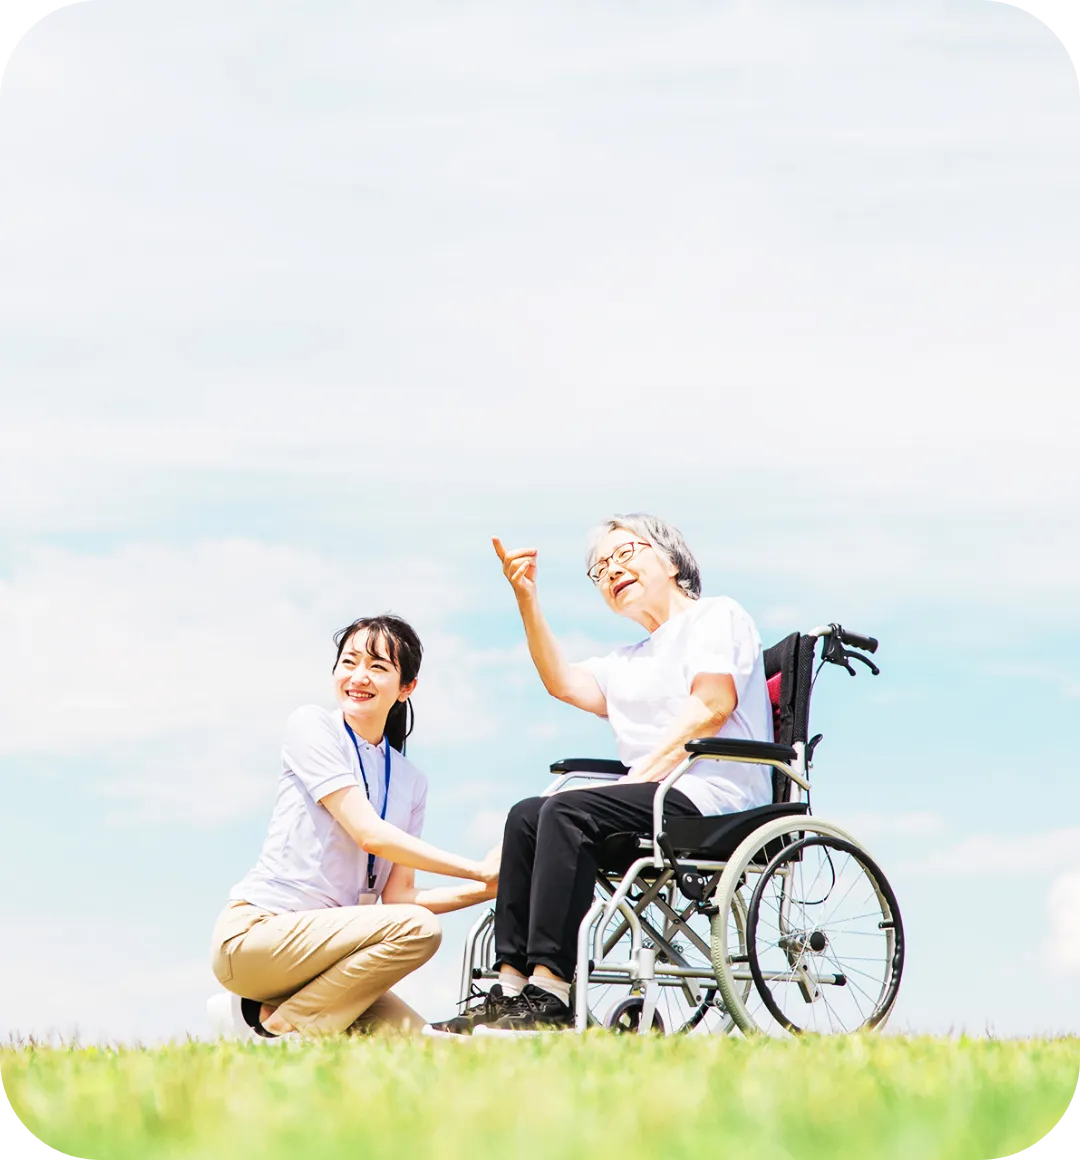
[[767, 921]]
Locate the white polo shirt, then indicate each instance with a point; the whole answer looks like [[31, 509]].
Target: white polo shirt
[[646, 686], [308, 861]]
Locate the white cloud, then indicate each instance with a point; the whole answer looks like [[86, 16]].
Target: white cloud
[[111, 980], [180, 664], [902, 356], [205, 780], [1063, 906], [544, 731], [1057, 677], [232, 634], [486, 828], [465, 792], [870, 306], [103, 979], [1039, 853], [869, 826], [884, 554], [148, 639]]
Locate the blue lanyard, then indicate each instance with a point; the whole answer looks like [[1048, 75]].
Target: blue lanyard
[[367, 790]]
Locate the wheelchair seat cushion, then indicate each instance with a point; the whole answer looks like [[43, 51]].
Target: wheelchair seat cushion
[[713, 836], [716, 836]]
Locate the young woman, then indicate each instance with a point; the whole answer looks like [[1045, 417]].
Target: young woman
[[300, 944], [698, 673]]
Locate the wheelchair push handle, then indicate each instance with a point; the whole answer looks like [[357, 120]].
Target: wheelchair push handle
[[840, 635], [833, 650], [857, 640]]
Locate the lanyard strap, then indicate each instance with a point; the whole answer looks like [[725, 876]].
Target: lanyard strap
[[367, 790]]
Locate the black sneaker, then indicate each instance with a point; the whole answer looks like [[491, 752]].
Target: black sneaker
[[533, 1010], [484, 1006]]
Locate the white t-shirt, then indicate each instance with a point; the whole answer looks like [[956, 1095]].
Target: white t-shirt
[[646, 686], [308, 861]]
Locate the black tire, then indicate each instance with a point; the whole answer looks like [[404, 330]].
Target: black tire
[[804, 948], [625, 1017]]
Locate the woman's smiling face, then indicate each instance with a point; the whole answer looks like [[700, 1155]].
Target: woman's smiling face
[[646, 575], [367, 682]]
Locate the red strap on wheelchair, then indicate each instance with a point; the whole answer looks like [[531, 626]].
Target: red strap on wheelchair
[[773, 685]]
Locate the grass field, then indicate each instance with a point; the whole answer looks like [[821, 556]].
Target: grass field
[[562, 1096]]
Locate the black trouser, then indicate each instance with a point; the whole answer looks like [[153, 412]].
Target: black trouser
[[550, 858]]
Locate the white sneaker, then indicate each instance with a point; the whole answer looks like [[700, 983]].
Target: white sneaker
[[226, 1019]]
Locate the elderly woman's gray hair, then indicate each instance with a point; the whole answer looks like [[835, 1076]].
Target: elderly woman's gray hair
[[667, 540]]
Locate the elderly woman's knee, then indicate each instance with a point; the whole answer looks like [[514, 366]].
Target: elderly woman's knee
[[523, 816], [560, 805]]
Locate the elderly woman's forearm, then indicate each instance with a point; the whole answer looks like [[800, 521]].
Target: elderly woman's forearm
[[699, 718], [696, 720], [564, 681], [544, 649]]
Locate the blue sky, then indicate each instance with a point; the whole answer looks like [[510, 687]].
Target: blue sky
[[297, 314]]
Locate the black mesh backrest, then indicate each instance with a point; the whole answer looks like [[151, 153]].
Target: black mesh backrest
[[793, 660]]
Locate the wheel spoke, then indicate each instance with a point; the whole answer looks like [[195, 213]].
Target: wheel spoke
[[787, 914]]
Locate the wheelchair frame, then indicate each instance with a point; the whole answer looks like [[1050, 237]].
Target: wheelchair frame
[[657, 868]]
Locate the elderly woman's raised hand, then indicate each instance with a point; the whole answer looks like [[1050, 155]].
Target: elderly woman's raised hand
[[519, 568]]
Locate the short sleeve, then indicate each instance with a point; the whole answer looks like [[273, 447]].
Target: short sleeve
[[599, 668], [314, 751], [419, 807], [724, 640]]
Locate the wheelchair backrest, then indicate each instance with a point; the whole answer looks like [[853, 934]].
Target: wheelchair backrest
[[789, 669]]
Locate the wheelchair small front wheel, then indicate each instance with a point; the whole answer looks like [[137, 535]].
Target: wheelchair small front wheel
[[624, 1018], [825, 941]]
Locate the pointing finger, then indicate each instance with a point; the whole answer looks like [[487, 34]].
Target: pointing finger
[[519, 554]]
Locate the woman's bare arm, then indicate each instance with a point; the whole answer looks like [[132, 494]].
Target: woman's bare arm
[[570, 683], [401, 887], [711, 702], [350, 808]]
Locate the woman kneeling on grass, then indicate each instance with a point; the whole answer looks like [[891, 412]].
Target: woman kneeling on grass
[[300, 945]]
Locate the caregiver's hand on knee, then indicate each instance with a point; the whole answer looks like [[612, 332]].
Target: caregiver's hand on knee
[[351, 809], [491, 863]]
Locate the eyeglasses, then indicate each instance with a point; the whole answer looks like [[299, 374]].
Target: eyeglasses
[[622, 556]]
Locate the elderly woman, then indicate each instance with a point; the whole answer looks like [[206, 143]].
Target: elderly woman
[[698, 673]]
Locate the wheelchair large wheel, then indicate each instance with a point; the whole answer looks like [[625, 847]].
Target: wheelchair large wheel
[[824, 939]]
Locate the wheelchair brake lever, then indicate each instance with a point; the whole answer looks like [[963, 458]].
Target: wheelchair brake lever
[[690, 882], [834, 652], [874, 670]]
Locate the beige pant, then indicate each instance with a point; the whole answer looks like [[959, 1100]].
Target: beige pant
[[324, 969]]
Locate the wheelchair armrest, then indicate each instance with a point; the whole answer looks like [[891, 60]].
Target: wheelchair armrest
[[589, 765], [748, 750]]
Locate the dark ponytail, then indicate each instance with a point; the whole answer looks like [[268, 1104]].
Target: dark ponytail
[[404, 652]]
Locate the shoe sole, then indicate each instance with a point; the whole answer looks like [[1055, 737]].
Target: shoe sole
[[430, 1032], [517, 1033]]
